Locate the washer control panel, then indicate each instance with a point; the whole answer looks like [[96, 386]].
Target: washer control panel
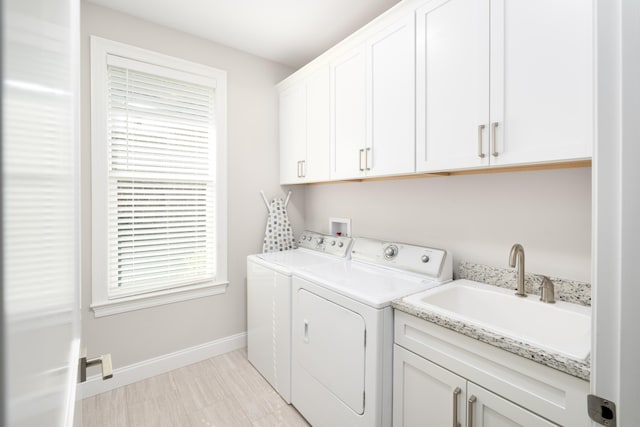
[[432, 262], [334, 245]]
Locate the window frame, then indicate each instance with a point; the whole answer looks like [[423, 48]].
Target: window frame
[[102, 303]]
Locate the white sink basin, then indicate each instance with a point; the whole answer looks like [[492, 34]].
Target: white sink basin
[[562, 327]]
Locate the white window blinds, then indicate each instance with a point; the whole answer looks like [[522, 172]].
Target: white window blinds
[[161, 178]]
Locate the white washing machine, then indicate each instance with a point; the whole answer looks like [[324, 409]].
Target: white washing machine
[[343, 329], [269, 303]]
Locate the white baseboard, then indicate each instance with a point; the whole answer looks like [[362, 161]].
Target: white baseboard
[[161, 364]]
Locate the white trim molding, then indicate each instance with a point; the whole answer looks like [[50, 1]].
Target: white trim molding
[[153, 299], [161, 364]]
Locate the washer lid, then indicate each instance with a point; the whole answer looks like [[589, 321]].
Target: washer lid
[[294, 258], [368, 284]]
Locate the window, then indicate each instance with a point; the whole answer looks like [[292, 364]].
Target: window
[[158, 178]]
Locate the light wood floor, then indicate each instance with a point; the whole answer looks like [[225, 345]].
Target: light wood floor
[[222, 391]]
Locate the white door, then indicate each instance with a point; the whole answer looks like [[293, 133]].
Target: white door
[[40, 211], [490, 410], [349, 121], [391, 110], [424, 393], [616, 210], [317, 166], [293, 128], [541, 80], [330, 347], [452, 85]]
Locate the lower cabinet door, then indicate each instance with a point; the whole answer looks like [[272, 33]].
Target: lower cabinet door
[[424, 394], [486, 409]]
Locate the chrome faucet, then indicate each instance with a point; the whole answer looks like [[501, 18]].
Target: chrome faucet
[[517, 256]]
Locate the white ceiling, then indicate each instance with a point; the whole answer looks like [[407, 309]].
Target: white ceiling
[[291, 32]]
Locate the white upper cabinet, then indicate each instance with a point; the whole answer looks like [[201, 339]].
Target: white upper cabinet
[[317, 163], [305, 129], [373, 105], [349, 115], [542, 80], [452, 84], [444, 85], [503, 83], [391, 106], [293, 149]]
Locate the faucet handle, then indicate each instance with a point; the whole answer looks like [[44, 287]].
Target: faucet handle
[[547, 294]]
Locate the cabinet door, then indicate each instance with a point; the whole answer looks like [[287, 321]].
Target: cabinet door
[[391, 110], [491, 410], [452, 84], [542, 80], [349, 115], [424, 393], [293, 134], [317, 165]]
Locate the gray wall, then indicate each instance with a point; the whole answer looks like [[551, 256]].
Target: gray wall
[[476, 217], [253, 166]]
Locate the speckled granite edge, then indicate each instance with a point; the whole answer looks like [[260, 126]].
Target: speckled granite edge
[[565, 290], [577, 368]]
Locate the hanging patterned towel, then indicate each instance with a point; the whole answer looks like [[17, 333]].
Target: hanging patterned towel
[[278, 235]]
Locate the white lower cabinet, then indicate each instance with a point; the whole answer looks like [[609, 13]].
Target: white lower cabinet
[[442, 378], [486, 409], [424, 393], [427, 395]]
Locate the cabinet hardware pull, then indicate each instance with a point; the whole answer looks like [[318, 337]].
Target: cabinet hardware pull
[[303, 168], [456, 393], [360, 159], [494, 152], [470, 405], [480, 131], [306, 330], [298, 172], [366, 159]]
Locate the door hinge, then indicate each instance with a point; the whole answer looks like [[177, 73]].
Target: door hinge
[[602, 411]]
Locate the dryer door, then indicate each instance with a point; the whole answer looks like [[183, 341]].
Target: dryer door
[[331, 345]]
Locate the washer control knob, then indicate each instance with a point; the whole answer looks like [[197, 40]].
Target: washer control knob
[[390, 251], [340, 244], [333, 243], [425, 258], [309, 238], [319, 240]]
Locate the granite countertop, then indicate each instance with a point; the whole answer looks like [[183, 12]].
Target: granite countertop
[[577, 368]]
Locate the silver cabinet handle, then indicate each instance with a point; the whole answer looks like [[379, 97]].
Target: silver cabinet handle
[[361, 151], [366, 159], [494, 152], [303, 168], [306, 330], [456, 393], [470, 405], [298, 173], [480, 131], [84, 363]]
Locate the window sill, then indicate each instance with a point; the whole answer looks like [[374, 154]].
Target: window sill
[[137, 302]]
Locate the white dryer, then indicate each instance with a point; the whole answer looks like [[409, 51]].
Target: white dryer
[[269, 303], [343, 329]]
